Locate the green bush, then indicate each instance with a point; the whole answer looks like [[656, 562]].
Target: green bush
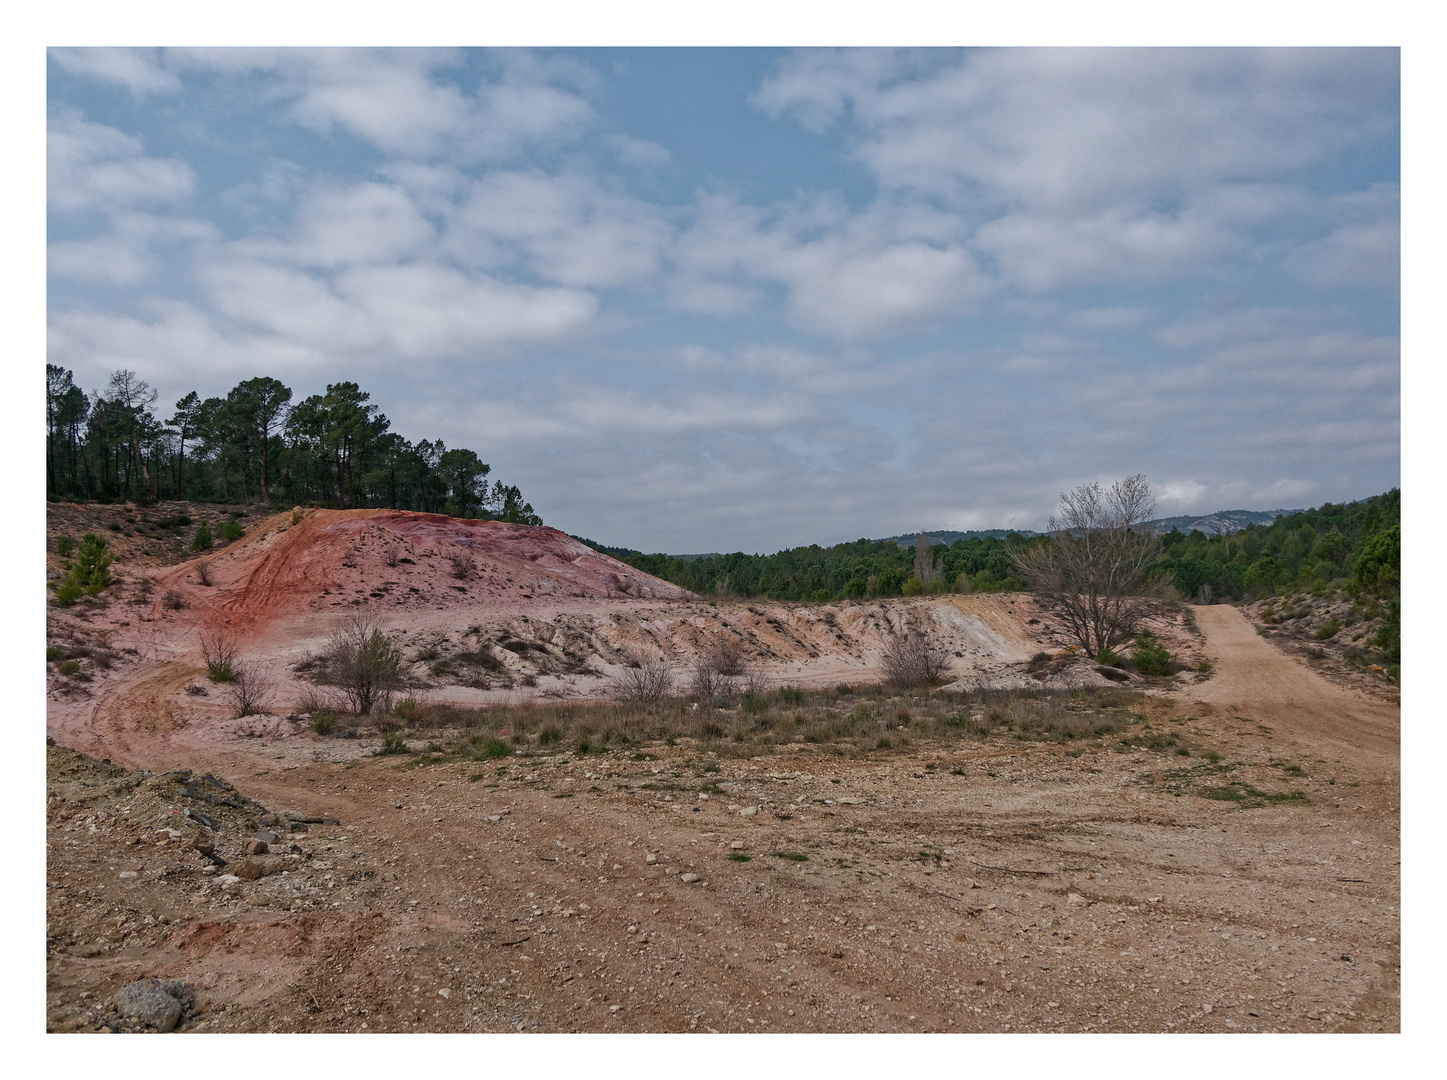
[[232, 530], [486, 748], [53, 653], [69, 591], [1328, 629], [92, 565], [202, 540], [64, 545], [791, 695], [753, 703], [1108, 657], [1149, 656], [392, 743], [913, 586], [324, 721]]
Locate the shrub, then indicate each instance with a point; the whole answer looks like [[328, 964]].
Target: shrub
[[69, 590], [92, 565], [753, 703], [364, 664], [70, 667], [173, 601], [232, 529], [550, 735], [64, 545], [912, 658], [463, 564], [791, 695], [53, 653], [486, 748], [324, 721], [218, 651], [392, 743], [246, 692], [912, 587], [650, 680], [1328, 629], [202, 540], [1149, 656]]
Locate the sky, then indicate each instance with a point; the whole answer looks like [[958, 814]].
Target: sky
[[742, 299]]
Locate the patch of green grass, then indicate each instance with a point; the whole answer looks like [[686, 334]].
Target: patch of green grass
[[485, 748], [740, 857], [792, 856], [475, 777], [54, 653], [563, 795], [324, 721], [791, 695]]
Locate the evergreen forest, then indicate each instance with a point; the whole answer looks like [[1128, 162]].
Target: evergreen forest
[[256, 445]]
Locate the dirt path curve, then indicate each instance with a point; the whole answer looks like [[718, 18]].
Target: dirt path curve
[[1254, 676]]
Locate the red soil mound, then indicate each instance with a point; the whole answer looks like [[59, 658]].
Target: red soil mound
[[386, 559]]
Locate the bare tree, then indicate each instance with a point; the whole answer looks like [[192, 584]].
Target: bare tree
[[924, 563], [912, 657], [1097, 569], [364, 663], [650, 680]]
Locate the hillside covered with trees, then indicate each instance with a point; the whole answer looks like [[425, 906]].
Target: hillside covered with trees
[[256, 445], [1312, 549]]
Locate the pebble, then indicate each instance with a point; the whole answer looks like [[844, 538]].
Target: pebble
[[1074, 898], [650, 859], [444, 993], [748, 811], [849, 801], [737, 845], [255, 846], [129, 874], [688, 879]]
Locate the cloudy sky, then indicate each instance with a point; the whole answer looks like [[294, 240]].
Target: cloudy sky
[[697, 300]]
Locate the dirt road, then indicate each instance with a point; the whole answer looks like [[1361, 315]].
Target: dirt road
[[1256, 677], [984, 884]]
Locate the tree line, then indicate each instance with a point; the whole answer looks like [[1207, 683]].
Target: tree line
[[858, 570], [1309, 550], [255, 444]]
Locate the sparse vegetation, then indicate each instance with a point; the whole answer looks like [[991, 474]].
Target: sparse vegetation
[[218, 651], [913, 658], [363, 663], [645, 681]]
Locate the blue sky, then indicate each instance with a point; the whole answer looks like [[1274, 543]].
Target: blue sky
[[744, 299]]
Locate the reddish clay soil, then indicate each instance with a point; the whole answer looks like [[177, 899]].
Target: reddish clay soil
[[976, 885]]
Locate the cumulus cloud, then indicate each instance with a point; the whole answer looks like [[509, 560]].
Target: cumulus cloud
[[1083, 163], [91, 166]]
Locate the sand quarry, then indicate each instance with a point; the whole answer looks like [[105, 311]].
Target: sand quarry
[[971, 884]]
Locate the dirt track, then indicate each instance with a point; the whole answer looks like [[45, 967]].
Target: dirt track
[[989, 885]]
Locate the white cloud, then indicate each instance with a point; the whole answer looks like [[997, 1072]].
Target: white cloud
[[402, 101], [566, 229], [1083, 164], [94, 167], [122, 255], [138, 70]]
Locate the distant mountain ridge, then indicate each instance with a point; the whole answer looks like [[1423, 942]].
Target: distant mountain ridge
[[1215, 524]]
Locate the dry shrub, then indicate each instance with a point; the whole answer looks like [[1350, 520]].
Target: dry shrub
[[913, 658], [724, 669], [651, 680], [463, 564], [246, 693]]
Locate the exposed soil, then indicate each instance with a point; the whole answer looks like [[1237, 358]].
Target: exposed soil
[[977, 884]]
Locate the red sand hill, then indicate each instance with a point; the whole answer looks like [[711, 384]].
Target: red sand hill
[[392, 560]]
